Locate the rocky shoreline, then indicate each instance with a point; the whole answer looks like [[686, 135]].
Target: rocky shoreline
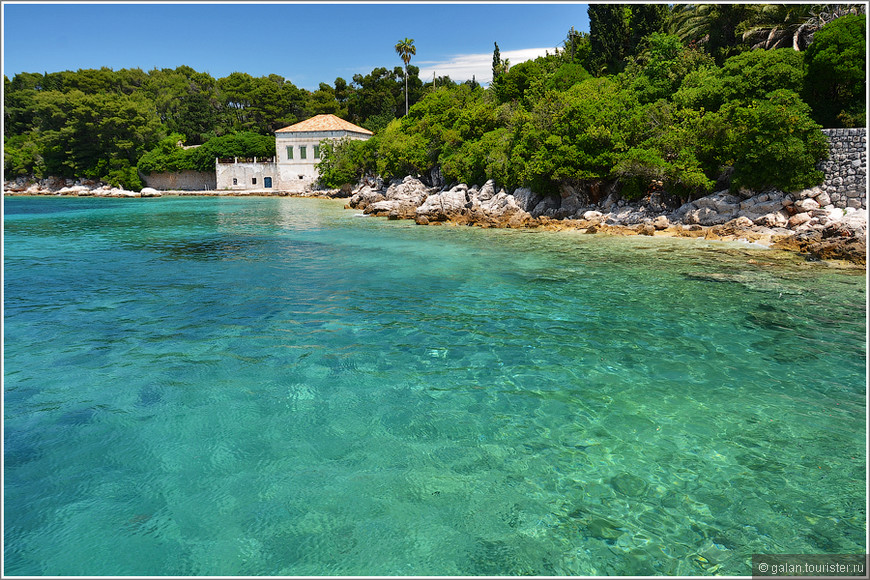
[[805, 222]]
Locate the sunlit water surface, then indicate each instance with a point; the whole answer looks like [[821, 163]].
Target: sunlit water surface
[[277, 386]]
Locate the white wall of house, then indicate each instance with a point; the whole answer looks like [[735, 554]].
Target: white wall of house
[[299, 152], [296, 154], [246, 175]]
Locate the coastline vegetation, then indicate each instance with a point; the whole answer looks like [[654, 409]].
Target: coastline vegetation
[[683, 97]]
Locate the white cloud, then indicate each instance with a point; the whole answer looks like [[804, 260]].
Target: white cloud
[[462, 67]]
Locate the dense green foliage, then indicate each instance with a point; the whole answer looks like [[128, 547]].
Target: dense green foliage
[[99, 123], [672, 116], [170, 155], [617, 30], [773, 142], [836, 83], [652, 94], [345, 161]]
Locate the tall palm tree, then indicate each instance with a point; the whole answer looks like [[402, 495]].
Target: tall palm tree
[[405, 48]]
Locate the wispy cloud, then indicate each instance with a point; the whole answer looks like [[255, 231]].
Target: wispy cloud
[[462, 67]]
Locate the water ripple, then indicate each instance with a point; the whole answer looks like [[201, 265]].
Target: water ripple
[[271, 387]]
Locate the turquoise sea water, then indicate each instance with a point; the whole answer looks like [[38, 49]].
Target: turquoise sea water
[[276, 386]]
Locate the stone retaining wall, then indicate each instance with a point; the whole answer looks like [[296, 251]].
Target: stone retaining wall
[[182, 180], [846, 167]]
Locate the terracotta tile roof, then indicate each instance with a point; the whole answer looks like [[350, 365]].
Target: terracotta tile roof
[[324, 123]]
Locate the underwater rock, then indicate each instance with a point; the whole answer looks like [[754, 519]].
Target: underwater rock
[[629, 485], [603, 529]]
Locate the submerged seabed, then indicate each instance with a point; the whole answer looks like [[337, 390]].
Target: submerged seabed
[[276, 387]]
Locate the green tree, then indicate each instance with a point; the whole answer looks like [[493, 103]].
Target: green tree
[[645, 19], [372, 102], [99, 136], [167, 156], [566, 76], [576, 47], [401, 152], [609, 27], [22, 155], [323, 101], [346, 161], [405, 48], [836, 81], [19, 102], [514, 83], [658, 71], [713, 27], [772, 142], [791, 25], [261, 105], [242, 144], [753, 74], [496, 63]]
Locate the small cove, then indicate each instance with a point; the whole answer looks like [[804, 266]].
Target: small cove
[[273, 386]]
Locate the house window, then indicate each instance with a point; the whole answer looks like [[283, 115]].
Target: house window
[[235, 181], [303, 152], [254, 180], [289, 152], [317, 151]]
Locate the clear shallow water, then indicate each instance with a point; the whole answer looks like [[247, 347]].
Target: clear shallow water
[[274, 386]]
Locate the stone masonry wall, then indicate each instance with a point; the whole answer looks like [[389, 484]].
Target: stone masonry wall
[[183, 180], [846, 167]]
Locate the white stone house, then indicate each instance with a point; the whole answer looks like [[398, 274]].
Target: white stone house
[[297, 151]]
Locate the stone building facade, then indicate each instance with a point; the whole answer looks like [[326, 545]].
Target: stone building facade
[[245, 174], [297, 152], [845, 168]]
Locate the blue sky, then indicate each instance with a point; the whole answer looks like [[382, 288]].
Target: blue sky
[[305, 43]]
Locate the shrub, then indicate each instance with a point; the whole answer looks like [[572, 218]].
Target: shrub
[[401, 153], [836, 80], [773, 143], [167, 156], [753, 74], [245, 144], [346, 161]]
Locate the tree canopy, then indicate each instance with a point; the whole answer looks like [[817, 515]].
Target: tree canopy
[[680, 95]]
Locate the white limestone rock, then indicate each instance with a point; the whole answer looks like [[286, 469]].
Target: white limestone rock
[[798, 219], [809, 193], [441, 205], [501, 205], [592, 215], [823, 199], [365, 196], [661, 222], [806, 204], [411, 190], [487, 191], [706, 216], [382, 207], [777, 219]]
